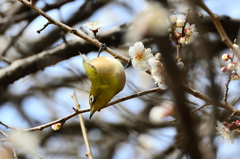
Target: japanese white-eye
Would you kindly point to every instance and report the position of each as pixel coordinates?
(108, 78)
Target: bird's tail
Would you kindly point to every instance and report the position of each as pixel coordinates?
(85, 58)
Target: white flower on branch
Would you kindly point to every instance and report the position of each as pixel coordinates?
(226, 133)
(191, 33)
(93, 25)
(158, 71)
(178, 20)
(179, 23)
(140, 56)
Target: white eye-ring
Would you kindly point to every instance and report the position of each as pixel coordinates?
(91, 98)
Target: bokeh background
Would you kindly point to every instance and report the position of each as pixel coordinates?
(38, 89)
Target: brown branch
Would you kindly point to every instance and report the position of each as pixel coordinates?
(39, 31)
(134, 96)
(219, 27)
(209, 101)
(52, 56)
(76, 112)
(73, 31)
(197, 109)
(226, 88)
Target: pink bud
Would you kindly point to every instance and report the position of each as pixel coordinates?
(237, 122)
(231, 66)
(226, 57)
(177, 34)
(224, 69)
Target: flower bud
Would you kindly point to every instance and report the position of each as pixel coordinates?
(234, 76)
(180, 65)
(158, 56)
(231, 66)
(56, 126)
(177, 34)
(224, 69)
(182, 40)
(180, 23)
(226, 57)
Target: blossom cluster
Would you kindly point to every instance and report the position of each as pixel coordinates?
(228, 132)
(183, 31)
(233, 67)
(143, 59)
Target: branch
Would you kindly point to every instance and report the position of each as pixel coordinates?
(209, 101)
(73, 31)
(52, 56)
(76, 112)
(219, 27)
(83, 128)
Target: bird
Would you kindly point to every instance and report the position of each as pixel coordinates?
(107, 78)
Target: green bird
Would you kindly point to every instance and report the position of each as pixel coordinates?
(108, 78)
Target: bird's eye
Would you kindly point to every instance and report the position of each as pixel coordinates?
(91, 99)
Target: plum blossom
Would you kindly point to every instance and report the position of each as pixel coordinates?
(226, 132)
(140, 56)
(93, 25)
(158, 71)
(190, 32)
(183, 31)
(178, 20)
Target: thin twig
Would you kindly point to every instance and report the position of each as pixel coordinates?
(226, 88)
(73, 31)
(179, 46)
(83, 128)
(219, 27)
(13, 40)
(209, 101)
(198, 108)
(39, 31)
(76, 112)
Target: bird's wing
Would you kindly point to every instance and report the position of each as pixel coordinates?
(90, 70)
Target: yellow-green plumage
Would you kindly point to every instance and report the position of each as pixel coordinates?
(108, 78)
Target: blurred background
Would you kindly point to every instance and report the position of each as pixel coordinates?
(40, 72)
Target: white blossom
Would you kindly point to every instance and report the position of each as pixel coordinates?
(191, 33)
(157, 71)
(93, 25)
(179, 20)
(140, 56)
(225, 133)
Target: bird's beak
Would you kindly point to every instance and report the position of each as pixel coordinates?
(92, 112)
